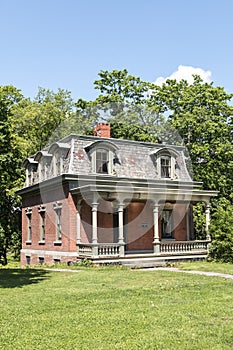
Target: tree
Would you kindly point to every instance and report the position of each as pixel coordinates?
(119, 86)
(196, 115)
(37, 122)
(201, 114)
(25, 127)
(221, 231)
(10, 169)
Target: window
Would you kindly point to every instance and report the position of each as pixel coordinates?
(165, 160)
(165, 166)
(102, 161)
(41, 210)
(56, 261)
(167, 224)
(57, 207)
(41, 260)
(28, 212)
(30, 174)
(103, 156)
(28, 259)
(59, 152)
(43, 168)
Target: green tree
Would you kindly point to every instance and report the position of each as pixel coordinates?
(197, 115)
(201, 113)
(10, 170)
(36, 122)
(221, 232)
(25, 127)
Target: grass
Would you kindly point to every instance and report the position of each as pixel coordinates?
(114, 308)
(207, 266)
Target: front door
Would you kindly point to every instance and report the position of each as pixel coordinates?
(166, 219)
(139, 229)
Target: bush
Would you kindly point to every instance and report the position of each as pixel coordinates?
(221, 231)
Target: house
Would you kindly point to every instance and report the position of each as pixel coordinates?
(110, 200)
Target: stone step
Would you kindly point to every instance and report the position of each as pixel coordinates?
(139, 263)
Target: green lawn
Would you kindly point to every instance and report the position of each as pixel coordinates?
(113, 308)
(207, 266)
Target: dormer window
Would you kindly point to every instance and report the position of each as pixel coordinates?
(102, 161)
(60, 151)
(102, 155)
(165, 166)
(165, 161)
(31, 167)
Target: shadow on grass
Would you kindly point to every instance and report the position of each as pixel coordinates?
(17, 278)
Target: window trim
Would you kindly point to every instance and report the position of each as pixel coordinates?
(164, 153)
(42, 212)
(170, 222)
(58, 223)
(28, 212)
(109, 149)
(166, 168)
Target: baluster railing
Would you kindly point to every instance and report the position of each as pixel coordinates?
(183, 246)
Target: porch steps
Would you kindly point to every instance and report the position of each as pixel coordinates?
(147, 261)
(140, 263)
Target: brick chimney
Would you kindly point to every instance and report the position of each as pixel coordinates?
(102, 130)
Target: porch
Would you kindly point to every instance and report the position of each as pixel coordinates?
(152, 221)
(166, 251)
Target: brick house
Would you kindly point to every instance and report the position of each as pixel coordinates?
(109, 200)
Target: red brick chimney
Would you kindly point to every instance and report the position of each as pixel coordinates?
(102, 130)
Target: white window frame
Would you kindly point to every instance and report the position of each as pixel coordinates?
(167, 216)
(110, 157)
(172, 165)
(42, 212)
(28, 212)
(58, 207)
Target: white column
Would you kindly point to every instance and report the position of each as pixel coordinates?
(187, 215)
(121, 228)
(121, 224)
(156, 228)
(207, 218)
(78, 218)
(94, 223)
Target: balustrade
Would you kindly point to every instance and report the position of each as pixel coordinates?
(104, 249)
(183, 246)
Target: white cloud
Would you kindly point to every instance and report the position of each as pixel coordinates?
(186, 72)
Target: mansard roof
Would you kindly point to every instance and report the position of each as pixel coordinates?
(41, 154)
(58, 145)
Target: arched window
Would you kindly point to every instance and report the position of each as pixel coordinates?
(102, 161)
(165, 166)
(165, 159)
(102, 154)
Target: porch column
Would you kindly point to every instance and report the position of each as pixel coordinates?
(78, 221)
(121, 229)
(207, 217)
(94, 229)
(156, 228)
(187, 217)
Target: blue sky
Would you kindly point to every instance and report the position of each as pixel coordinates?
(65, 43)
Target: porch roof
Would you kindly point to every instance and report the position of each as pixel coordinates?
(160, 192)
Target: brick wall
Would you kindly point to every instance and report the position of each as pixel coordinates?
(67, 244)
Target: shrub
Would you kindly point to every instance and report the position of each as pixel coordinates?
(221, 230)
